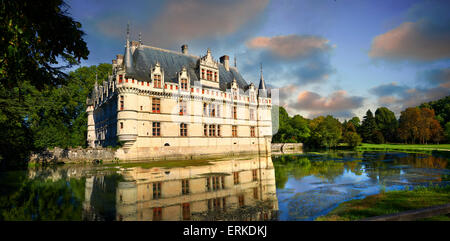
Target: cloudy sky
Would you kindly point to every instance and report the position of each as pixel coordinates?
(338, 57)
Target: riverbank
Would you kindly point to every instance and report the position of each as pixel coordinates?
(391, 202)
(420, 148)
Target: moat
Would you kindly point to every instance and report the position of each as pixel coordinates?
(280, 187)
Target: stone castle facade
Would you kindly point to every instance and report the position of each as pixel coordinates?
(159, 102)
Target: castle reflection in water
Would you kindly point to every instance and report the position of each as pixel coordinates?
(232, 189)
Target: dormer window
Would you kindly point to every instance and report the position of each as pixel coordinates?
(157, 75)
(157, 81)
(209, 71)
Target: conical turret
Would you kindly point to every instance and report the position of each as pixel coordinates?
(128, 57)
(262, 91)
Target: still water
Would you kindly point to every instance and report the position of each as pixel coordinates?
(282, 187)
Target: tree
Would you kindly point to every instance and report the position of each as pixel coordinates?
(447, 131)
(409, 124)
(356, 122)
(368, 127)
(38, 40)
(386, 123)
(377, 137)
(419, 124)
(437, 133)
(350, 136)
(326, 131)
(291, 130)
(352, 139)
(441, 108)
(300, 125)
(62, 121)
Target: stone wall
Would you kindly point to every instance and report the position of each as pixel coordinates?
(283, 147)
(73, 155)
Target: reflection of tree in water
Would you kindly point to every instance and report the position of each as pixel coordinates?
(417, 168)
(380, 167)
(38, 199)
(302, 166)
(102, 201)
(424, 161)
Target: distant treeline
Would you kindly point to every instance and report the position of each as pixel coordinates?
(427, 123)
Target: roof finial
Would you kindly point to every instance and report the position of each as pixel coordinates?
(128, 31)
(261, 71)
(262, 84)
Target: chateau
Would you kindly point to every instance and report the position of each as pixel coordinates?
(159, 102)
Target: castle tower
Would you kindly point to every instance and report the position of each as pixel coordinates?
(91, 137)
(127, 113)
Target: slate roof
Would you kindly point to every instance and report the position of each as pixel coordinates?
(146, 57)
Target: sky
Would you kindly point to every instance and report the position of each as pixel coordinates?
(326, 57)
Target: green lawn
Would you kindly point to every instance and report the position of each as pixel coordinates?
(391, 202)
(406, 147)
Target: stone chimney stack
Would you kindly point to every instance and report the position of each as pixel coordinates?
(119, 59)
(184, 49)
(225, 60)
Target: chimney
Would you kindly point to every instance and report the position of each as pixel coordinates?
(225, 60)
(184, 49)
(119, 59)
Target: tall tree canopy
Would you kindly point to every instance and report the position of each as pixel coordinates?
(356, 122)
(325, 131)
(350, 135)
(441, 108)
(38, 39)
(419, 124)
(293, 129)
(62, 121)
(368, 127)
(386, 123)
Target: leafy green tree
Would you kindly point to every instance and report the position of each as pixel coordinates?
(387, 124)
(352, 139)
(300, 125)
(326, 131)
(447, 132)
(350, 136)
(62, 121)
(291, 130)
(38, 41)
(356, 123)
(377, 137)
(441, 108)
(368, 127)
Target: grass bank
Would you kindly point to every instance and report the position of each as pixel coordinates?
(391, 202)
(423, 148)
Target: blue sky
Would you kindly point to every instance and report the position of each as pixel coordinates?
(327, 57)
